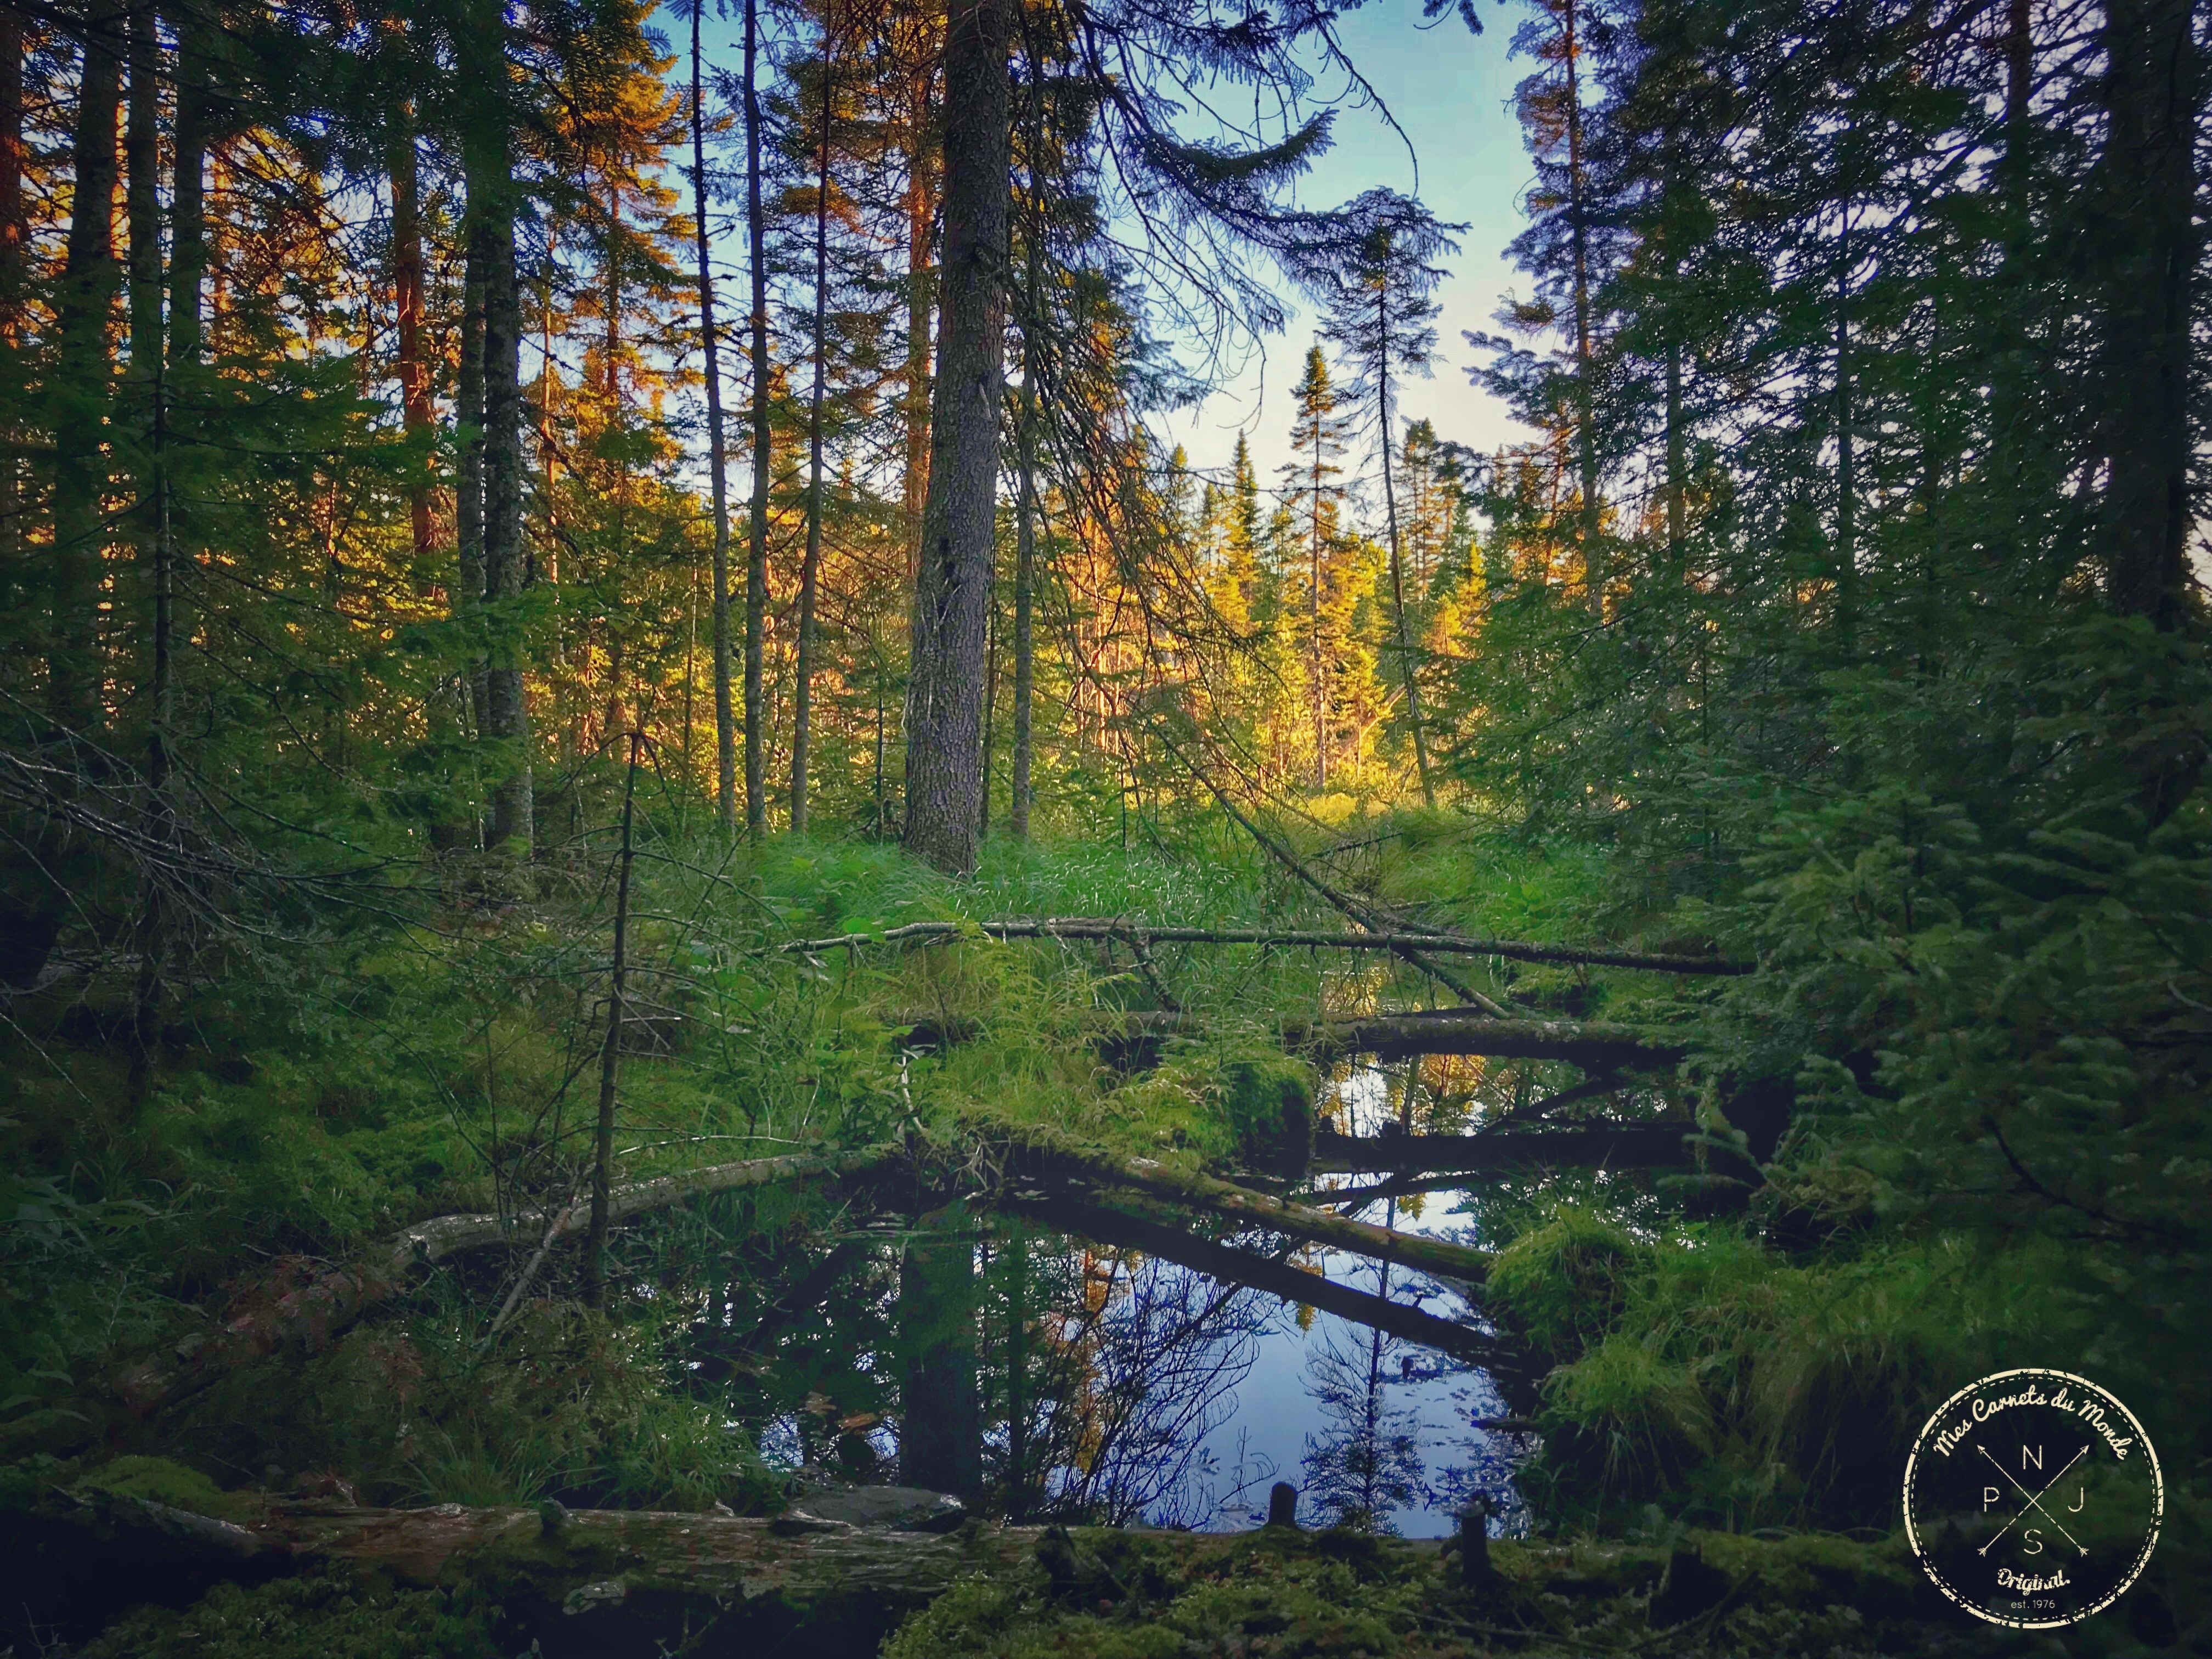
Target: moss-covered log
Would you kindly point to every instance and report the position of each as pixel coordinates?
(306, 1315)
(1085, 1167)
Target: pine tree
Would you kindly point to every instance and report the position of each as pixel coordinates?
(1317, 440)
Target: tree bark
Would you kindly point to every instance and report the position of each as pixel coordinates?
(952, 594)
(1406, 667)
(1225, 1199)
(2154, 95)
(810, 572)
(506, 717)
(14, 226)
(920, 230)
(415, 403)
(718, 464)
(1585, 390)
(191, 134)
(763, 447)
(81, 391)
(468, 493)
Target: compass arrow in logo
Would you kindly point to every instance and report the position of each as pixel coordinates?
(2035, 1499)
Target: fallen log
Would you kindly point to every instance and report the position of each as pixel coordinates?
(1213, 1196)
(1451, 1031)
(1144, 933)
(1621, 1146)
(590, 1560)
(305, 1316)
(1106, 1225)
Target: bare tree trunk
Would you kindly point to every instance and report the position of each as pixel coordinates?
(468, 492)
(810, 572)
(506, 712)
(952, 595)
(191, 135)
(602, 1145)
(718, 463)
(1398, 568)
(148, 393)
(14, 228)
(1025, 511)
(1677, 483)
(757, 733)
(1847, 557)
(81, 391)
(1319, 666)
(921, 226)
(16, 585)
(1578, 232)
(2154, 95)
(415, 403)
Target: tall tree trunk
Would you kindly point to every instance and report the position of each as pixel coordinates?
(717, 466)
(1406, 667)
(810, 571)
(1677, 484)
(1018, 811)
(1578, 233)
(2154, 96)
(15, 232)
(193, 134)
(1320, 666)
(415, 407)
(14, 228)
(1025, 509)
(953, 592)
(941, 1428)
(507, 713)
(82, 390)
(756, 733)
(921, 227)
(1847, 556)
(149, 396)
(954, 587)
(468, 490)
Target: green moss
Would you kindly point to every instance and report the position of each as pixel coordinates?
(158, 1480)
(320, 1617)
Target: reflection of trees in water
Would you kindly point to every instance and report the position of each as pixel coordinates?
(1366, 1459)
(1139, 1362)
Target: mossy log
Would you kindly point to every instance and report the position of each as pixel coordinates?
(1080, 1168)
(587, 1558)
(303, 1316)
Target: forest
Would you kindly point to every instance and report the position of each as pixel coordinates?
(699, 954)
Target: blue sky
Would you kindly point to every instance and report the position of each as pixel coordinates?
(1451, 92)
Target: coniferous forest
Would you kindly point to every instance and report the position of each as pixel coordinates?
(699, 955)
